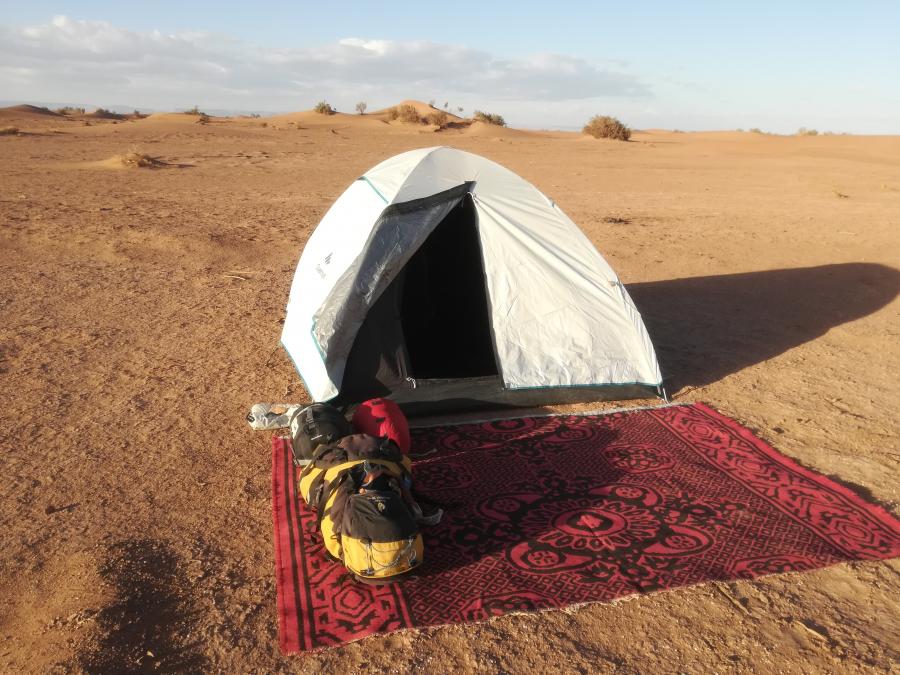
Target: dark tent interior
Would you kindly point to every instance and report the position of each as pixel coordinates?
(432, 321)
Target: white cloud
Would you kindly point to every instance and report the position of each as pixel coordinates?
(68, 59)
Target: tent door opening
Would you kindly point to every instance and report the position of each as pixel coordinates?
(443, 305)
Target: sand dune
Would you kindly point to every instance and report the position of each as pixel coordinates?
(19, 111)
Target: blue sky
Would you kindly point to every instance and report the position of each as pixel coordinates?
(699, 65)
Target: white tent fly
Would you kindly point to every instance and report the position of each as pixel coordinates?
(440, 276)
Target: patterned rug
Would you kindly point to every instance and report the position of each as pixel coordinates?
(546, 512)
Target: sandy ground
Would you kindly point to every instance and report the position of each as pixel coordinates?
(141, 311)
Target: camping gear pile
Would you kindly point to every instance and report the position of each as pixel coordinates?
(360, 486)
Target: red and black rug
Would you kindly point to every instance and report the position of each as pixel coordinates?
(545, 512)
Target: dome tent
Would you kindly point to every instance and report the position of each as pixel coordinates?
(441, 277)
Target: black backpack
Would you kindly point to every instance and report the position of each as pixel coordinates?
(315, 425)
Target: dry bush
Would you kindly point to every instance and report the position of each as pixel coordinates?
(438, 118)
(70, 110)
(9, 131)
(603, 126)
(203, 119)
(141, 160)
(324, 108)
(405, 113)
(803, 131)
(104, 114)
(361, 107)
(756, 130)
(489, 118)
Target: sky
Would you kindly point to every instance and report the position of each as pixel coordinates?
(777, 66)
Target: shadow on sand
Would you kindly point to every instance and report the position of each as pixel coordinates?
(705, 328)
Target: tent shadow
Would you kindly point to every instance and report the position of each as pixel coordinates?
(705, 328)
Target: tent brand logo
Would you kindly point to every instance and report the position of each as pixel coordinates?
(327, 261)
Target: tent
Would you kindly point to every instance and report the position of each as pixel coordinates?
(441, 277)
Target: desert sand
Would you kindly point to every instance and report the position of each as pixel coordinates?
(142, 308)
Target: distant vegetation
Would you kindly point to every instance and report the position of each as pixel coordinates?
(803, 131)
(361, 107)
(140, 160)
(603, 126)
(9, 131)
(405, 113)
(324, 108)
(438, 118)
(107, 114)
(489, 118)
(69, 110)
(756, 130)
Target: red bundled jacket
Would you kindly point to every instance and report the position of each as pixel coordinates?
(382, 417)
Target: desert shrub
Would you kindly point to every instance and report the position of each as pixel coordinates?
(756, 130)
(193, 111)
(70, 110)
(803, 131)
(405, 113)
(361, 107)
(105, 114)
(603, 126)
(203, 119)
(438, 118)
(9, 131)
(324, 108)
(489, 118)
(140, 160)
